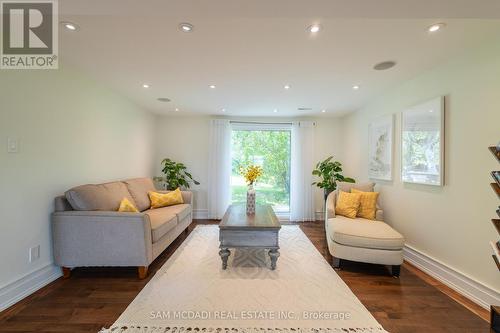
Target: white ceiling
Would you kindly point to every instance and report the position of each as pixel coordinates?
(251, 48)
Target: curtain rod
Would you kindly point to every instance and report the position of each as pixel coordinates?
(256, 122)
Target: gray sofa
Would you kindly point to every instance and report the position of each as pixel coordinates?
(89, 231)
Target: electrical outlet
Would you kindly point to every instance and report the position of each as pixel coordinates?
(34, 253)
(12, 146)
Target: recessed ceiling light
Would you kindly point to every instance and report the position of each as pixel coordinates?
(275, 110)
(186, 27)
(355, 87)
(70, 26)
(314, 28)
(212, 86)
(323, 111)
(381, 66)
(145, 85)
(176, 110)
(163, 99)
(436, 27)
(286, 87)
(223, 110)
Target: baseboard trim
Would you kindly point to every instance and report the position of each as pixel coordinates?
(320, 215)
(27, 285)
(200, 214)
(477, 292)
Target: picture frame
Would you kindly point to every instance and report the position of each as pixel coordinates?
(381, 148)
(422, 143)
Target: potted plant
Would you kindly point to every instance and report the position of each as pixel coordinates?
(175, 176)
(329, 172)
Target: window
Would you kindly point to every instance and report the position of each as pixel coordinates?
(269, 147)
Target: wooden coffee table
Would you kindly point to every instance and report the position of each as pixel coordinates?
(259, 230)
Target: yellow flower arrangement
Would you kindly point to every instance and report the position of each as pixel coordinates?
(251, 173)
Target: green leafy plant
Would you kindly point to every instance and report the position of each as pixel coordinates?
(329, 172)
(175, 175)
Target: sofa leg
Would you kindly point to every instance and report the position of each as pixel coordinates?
(142, 272)
(66, 272)
(336, 262)
(395, 270)
(186, 231)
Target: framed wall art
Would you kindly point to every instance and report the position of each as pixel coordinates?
(380, 150)
(422, 143)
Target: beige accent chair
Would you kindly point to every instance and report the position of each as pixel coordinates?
(89, 231)
(360, 239)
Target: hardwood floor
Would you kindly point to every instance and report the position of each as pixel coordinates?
(94, 297)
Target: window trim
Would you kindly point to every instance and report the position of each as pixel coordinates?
(256, 126)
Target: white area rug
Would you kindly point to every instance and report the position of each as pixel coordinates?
(191, 292)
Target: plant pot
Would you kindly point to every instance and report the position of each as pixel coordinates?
(251, 200)
(326, 193)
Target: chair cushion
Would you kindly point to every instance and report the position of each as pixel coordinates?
(364, 233)
(368, 204)
(105, 196)
(348, 204)
(364, 187)
(139, 188)
(165, 219)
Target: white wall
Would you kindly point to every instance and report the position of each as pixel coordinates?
(450, 223)
(71, 131)
(185, 139)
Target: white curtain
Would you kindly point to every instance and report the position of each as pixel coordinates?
(219, 168)
(302, 158)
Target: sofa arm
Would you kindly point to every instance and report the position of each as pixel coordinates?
(187, 196)
(330, 205)
(99, 238)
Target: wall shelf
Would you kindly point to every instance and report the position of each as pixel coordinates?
(494, 177)
(496, 188)
(496, 261)
(495, 153)
(495, 309)
(496, 223)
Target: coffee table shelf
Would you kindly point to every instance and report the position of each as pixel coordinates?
(241, 230)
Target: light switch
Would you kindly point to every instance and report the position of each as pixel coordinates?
(12, 146)
(34, 253)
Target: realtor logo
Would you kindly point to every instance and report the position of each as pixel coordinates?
(29, 34)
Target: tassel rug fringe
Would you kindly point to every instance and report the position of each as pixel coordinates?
(145, 329)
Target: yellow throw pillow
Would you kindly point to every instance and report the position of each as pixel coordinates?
(159, 200)
(127, 206)
(348, 204)
(368, 204)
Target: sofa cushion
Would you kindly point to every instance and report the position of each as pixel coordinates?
(139, 188)
(127, 207)
(364, 233)
(165, 219)
(105, 196)
(181, 210)
(162, 221)
(159, 200)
